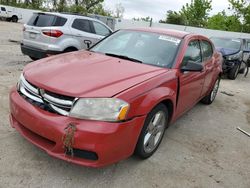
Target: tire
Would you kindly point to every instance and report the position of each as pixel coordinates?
(233, 73)
(242, 71)
(33, 58)
(150, 136)
(209, 99)
(14, 19)
(71, 49)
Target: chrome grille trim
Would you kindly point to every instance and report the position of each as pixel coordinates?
(57, 101)
(58, 105)
(33, 97)
(29, 87)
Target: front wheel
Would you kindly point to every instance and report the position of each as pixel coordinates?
(152, 132)
(233, 73)
(14, 19)
(211, 96)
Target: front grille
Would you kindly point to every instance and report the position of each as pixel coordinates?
(46, 100)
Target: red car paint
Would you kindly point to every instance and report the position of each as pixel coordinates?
(95, 75)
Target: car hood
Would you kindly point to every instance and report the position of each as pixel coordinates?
(227, 51)
(87, 74)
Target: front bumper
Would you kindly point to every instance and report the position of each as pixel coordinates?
(37, 53)
(110, 142)
(228, 65)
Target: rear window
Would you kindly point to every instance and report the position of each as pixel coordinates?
(46, 20)
(3, 9)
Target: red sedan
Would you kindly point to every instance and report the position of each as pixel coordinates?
(100, 106)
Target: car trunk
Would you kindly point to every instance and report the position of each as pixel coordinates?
(33, 33)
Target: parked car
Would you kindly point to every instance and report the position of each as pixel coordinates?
(100, 106)
(9, 13)
(48, 34)
(233, 51)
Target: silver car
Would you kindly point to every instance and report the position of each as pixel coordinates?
(48, 34)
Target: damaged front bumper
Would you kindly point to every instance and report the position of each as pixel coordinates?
(96, 143)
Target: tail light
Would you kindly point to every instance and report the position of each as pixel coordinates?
(53, 33)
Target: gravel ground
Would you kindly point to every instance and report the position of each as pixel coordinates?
(202, 149)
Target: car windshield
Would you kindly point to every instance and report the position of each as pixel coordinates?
(227, 43)
(143, 47)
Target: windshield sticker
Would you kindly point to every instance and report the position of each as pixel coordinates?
(170, 39)
(233, 40)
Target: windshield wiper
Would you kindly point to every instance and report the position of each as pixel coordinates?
(124, 57)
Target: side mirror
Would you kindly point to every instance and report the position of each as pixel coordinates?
(88, 43)
(192, 67)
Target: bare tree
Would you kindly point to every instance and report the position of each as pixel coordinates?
(119, 10)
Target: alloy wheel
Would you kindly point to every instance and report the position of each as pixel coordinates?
(154, 131)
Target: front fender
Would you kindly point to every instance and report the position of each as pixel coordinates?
(142, 105)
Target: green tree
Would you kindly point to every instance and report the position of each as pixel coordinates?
(223, 22)
(174, 17)
(242, 10)
(196, 13)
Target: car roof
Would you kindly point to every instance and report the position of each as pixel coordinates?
(69, 15)
(72, 16)
(171, 32)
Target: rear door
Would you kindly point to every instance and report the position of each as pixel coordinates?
(191, 83)
(208, 61)
(82, 29)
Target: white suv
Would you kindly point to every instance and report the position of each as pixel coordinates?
(47, 34)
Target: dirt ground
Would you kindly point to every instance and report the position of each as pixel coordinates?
(202, 149)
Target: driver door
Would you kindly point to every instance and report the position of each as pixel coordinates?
(191, 83)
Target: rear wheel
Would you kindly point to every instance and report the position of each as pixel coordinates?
(14, 19)
(152, 132)
(233, 73)
(33, 58)
(71, 49)
(211, 96)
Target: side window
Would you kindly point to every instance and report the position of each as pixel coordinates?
(193, 53)
(207, 50)
(248, 45)
(3, 9)
(101, 29)
(82, 25)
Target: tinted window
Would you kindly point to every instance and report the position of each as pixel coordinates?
(3, 9)
(46, 20)
(101, 29)
(207, 50)
(149, 48)
(193, 53)
(82, 25)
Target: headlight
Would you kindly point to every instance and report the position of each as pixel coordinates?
(103, 109)
(234, 56)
